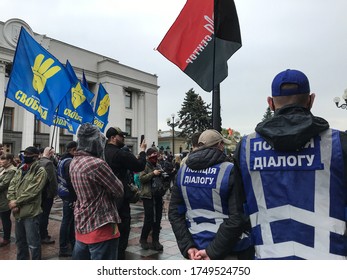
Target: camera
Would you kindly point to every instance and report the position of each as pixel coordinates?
(164, 174)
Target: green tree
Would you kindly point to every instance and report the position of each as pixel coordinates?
(268, 114)
(195, 115)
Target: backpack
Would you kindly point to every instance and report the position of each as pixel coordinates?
(63, 190)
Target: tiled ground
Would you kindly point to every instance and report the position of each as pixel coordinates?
(134, 251)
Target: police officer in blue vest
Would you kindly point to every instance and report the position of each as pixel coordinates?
(293, 171)
(200, 205)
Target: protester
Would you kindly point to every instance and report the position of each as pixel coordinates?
(200, 205)
(293, 171)
(7, 171)
(154, 184)
(48, 193)
(24, 196)
(97, 188)
(121, 162)
(68, 196)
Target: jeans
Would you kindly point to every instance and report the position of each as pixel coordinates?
(67, 228)
(28, 238)
(106, 250)
(46, 208)
(153, 214)
(6, 224)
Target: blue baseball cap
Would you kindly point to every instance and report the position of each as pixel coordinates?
(290, 76)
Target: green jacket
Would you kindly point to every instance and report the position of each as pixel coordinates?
(146, 181)
(5, 179)
(26, 191)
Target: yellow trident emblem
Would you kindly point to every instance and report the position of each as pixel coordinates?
(77, 96)
(103, 107)
(42, 71)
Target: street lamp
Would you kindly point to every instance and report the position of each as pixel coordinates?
(173, 124)
(337, 101)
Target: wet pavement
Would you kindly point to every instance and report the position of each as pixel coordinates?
(134, 251)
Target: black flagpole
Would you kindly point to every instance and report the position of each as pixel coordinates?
(216, 118)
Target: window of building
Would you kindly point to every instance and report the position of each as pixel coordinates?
(128, 126)
(8, 118)
(62, 131)
(128, 100)
(37, 127)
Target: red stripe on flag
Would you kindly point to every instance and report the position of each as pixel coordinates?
(189, 34)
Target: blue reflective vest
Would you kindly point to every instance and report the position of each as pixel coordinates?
(296, 200)
(205, 193)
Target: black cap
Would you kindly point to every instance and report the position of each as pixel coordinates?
(113, 131)
(31, 150)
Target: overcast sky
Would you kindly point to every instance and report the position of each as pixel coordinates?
(308, 35)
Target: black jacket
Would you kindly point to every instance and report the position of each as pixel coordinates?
(121, 162)
(72, 197)
(228, 234)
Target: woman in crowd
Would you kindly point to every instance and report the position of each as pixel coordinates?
(7, 171)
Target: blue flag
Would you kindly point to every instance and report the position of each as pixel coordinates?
(65, 123)
(84, 81)
(102, 108)
(38, 81)
(75, 107)
(85, 84)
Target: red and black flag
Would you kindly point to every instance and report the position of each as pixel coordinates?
(202, 39)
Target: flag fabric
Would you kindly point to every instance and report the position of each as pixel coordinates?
(75, 107)
(84, 81)
(65, 124)
(38, 81)
(85, 84)
(88, 94)
(102, 108)
(202, 39)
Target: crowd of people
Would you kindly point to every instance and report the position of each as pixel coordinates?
(283, 195)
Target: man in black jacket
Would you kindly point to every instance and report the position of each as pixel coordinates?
(201, 204)
(121, 162)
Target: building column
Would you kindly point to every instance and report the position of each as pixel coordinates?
(28, 129)
(2, 95)
(141, 115)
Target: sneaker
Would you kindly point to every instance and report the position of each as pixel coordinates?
(144, 244)
(157, 246)
(4, 242)
(47, 240)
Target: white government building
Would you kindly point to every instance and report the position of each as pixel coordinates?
(133, 94)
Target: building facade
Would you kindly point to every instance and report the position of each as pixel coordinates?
(133, 94)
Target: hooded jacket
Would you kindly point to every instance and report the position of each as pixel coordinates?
(291, 128)
(228, 234)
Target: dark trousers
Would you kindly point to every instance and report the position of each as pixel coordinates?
(28, 238)
(67, 228)
(153, 213)
(46, 205)
(106, 250)
(6, 224)
(124, 229)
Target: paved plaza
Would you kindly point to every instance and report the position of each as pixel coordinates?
(134, 251)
